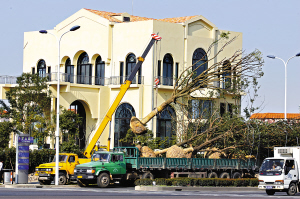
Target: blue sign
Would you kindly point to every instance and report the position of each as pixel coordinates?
(23, 148)
(23, 161)
(25, 139)
(25, 155)
(23, 167)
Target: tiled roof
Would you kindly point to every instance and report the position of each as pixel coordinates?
(110, 16)
(177, 19)
(275, 116)
(106, 15)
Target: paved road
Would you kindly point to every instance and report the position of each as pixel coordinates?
(127, 193)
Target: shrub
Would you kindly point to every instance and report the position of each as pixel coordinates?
(219, 182)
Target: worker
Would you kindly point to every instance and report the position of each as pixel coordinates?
(276, 166)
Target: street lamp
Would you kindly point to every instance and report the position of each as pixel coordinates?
(57, 103)
(285, 65)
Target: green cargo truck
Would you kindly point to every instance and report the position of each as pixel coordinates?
(124, 163)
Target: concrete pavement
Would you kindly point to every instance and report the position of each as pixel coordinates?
(139, 188)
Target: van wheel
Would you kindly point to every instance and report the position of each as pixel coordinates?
(62, 180)
(212, 175)
(148, 175)
(225, 175)
(292, 189)
(270, 192)
(103, 180)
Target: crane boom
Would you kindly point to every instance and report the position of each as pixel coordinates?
(123, 89)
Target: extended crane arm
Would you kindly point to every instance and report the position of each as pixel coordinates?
(123, 89)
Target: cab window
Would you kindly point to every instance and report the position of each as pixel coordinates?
(290, 165)
(72, 159)
(116, 158)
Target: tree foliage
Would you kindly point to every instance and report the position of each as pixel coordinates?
(147, 139)
(5, 130)
(29, 108)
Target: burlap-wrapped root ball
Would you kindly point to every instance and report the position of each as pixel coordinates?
(146, 152)
(175, 152)
(136, 126)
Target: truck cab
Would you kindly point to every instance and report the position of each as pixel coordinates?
(105, 167)
(67, 163)
(281, 172)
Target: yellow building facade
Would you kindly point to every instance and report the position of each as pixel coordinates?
(96, 59)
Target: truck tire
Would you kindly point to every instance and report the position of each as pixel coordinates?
(212, 175)
(148, 175)
(82, 183)
(292, 189)
(270, 192)
(236, 175)
(45, 182)
(62, 180)
(225, 175)
(103, 180)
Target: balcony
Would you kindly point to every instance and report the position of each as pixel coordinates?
(166, 81)
(79, 79)
(5, 79)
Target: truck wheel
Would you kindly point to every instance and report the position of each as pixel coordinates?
(292, 189)
(62, 180)
(236, 175)
(212, 175)
(270, 192)
(82, 183)
(225, 175)
(103, 180)
(148, 175)
(45, 182)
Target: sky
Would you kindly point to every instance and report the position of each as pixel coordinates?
(271, 26)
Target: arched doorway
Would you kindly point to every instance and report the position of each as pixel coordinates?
(78, 108)
(122, 122)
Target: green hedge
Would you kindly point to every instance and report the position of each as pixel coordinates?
(36, 157)
(213, 182)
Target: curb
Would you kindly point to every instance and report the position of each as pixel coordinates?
(37, 186)
(171, 188)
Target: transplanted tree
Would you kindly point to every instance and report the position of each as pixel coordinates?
(205, 131)
(29, 106)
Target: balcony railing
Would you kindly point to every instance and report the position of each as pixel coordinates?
(79, 79)
(166, 81)
(8, 79)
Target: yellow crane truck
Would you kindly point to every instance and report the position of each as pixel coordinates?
(68, 161)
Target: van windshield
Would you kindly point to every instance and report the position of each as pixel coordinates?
(271, 167)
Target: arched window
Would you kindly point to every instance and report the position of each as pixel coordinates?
(69, 70)
(84, 69)
(41, 68)
(166, 124)
(199, 62)
(130, 64)
(168, 70)
(122, 122)
(99, 71)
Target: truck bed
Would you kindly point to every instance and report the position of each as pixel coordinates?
(188, 163)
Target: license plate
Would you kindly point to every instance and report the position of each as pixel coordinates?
(269, 187)
(79, 176)
(43, 178)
